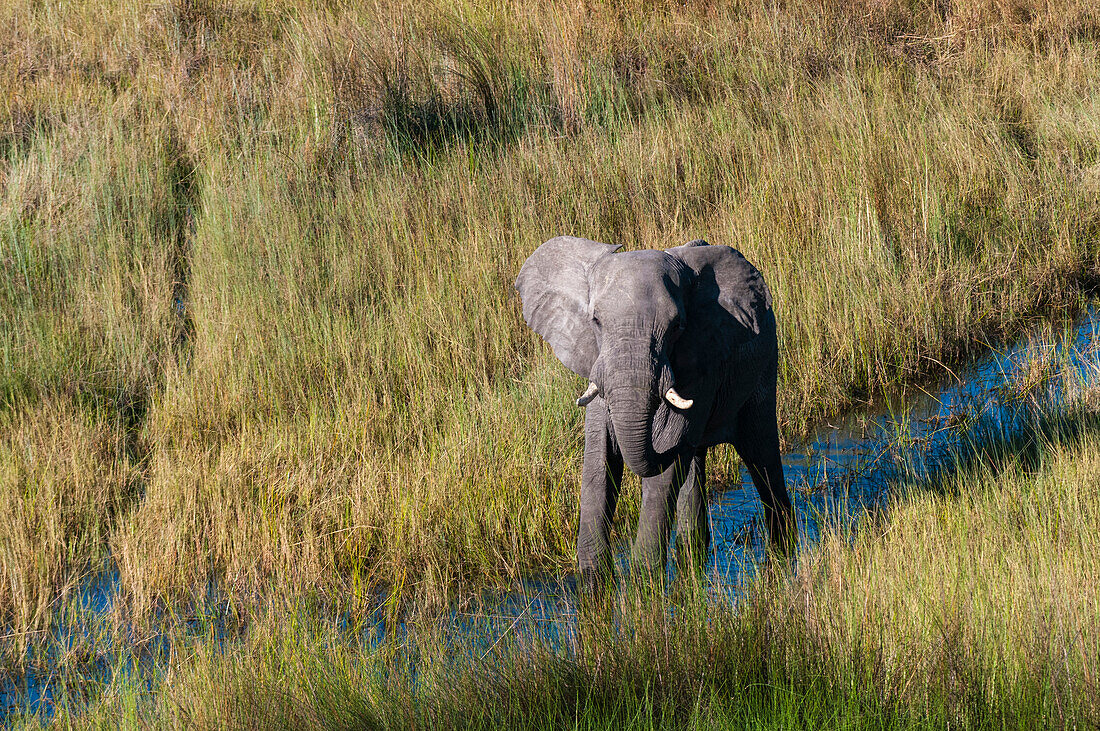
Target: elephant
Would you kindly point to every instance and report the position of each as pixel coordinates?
(680, 352)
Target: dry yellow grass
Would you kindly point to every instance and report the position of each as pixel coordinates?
(988, 588)
(64, 476)
(969, 603)
(273, 244)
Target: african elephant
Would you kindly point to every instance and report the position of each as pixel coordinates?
(679, 348)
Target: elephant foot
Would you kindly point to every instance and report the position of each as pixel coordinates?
(691, 563)
(647, 576)
(783, 537)
(594, 584)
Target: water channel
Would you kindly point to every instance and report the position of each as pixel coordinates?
(851, 466)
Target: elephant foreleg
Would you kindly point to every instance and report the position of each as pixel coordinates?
(659, 496)
(757, 443)
(600, 480)
(692, 526)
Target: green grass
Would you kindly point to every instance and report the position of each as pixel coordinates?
(256, 315)
(969, 603)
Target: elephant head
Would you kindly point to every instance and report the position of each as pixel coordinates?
(652, 332)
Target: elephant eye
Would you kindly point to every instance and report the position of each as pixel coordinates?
(596, 321)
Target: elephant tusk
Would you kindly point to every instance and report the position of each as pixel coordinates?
(590, 393)
(677, 400)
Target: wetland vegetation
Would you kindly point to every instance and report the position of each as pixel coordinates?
(258, 338)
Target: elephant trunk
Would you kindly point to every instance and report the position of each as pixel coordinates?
(632, 419)
(633, 400)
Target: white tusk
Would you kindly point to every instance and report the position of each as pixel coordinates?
(677, 400)
(590, 393)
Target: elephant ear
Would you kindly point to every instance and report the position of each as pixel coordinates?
(727, 307)
(553, 284)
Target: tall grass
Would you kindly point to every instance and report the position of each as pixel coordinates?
(256, 316)
(970, 603)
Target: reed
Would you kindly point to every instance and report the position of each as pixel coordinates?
(969, 603)
(256, 317)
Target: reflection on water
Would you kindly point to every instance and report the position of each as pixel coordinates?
(847, 468)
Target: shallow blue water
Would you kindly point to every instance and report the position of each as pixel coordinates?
(845, 469)
(849, 467)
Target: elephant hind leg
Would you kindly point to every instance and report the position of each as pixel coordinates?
(757, 443)
(692, 525)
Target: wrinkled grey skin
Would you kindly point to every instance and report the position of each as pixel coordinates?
(697, 318)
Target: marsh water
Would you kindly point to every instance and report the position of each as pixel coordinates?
(847, 468)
